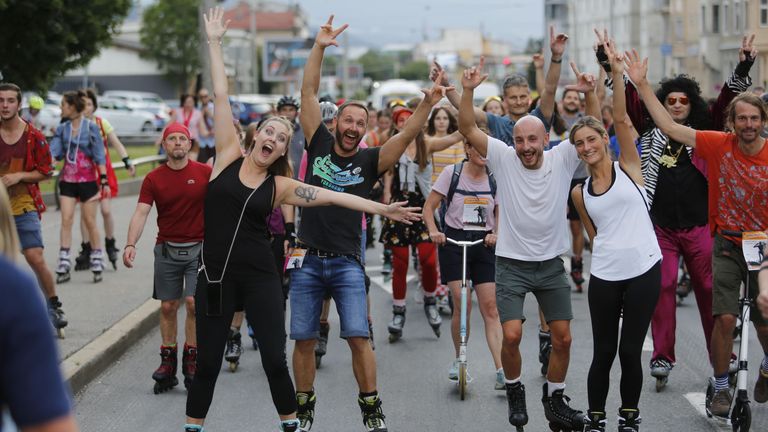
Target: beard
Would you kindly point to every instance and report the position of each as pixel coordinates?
(340, 140)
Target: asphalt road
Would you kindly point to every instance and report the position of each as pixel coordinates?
(412, 380)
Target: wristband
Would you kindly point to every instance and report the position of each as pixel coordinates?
(556, 61)
(127, 162)
(127, 246)
(104, 181)
(602, 58)
(290, 233)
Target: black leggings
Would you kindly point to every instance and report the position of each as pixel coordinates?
(637, 297)
(262, 297)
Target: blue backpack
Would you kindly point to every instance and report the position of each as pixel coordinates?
(454, 187)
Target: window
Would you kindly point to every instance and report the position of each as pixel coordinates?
(704, 18)
(725, 19)
(737, 26)
(763, 13)
(715, 18)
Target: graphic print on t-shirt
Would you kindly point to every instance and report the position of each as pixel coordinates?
(743, 194)
(474, 216)
(334, 177)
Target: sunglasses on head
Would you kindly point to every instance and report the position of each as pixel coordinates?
(671, 100)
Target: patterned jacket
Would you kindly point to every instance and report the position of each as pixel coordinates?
(38, 159)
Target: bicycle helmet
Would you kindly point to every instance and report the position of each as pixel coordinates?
(36, 102)
(287, 100)
(328, 111)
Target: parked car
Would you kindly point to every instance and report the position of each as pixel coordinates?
(250, 108)
(126, 120)
(145, 101)
(49, 118)
(386, 91)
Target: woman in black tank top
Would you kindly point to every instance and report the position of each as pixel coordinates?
(238, 266)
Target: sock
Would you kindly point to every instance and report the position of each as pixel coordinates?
(553, 387)
(173, 345)
(511, 381)
(290, 422)
(304, 397)
(721, 382)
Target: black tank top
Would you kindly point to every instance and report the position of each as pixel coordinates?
(252, 251)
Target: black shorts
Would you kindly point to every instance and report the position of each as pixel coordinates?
(80, 191)
(572, 213)
(481, 260)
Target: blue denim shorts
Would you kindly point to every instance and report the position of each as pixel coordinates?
(29, 229)
(344, 278)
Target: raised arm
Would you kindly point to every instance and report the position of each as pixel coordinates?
(467, 126)
(310, 105)
(585, 84)
(453, 96)
(395, 146)
(629, 159)
(227, 143)
(292, 192)
(538, 65)
(557, 48)
(439, 144)
(738, 82)
(637, 70)
(135, 228)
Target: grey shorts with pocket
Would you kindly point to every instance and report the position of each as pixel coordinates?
(545, 279)
(729, 271)
(175, 271)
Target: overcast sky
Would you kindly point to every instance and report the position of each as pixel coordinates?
(380, 22)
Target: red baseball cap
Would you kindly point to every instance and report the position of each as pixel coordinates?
(400, 113)
(176, 128)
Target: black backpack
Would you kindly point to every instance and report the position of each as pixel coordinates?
(454, 187)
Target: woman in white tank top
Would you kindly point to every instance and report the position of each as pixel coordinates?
(625, 273)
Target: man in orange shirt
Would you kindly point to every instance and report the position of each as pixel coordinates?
(737, 170)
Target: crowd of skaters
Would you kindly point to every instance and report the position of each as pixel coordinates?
(648, 176)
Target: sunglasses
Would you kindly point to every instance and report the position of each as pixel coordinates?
(673, 100)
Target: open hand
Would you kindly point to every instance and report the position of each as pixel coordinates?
(747, 49)
(585, 82)
(615, 57)
(327, 34)
(215, 27)
(557, 43)
(636, 69)
(438, 90)
(474, 76)
(434, 73)
(400, 213)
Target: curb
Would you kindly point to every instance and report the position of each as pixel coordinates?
(90, 361)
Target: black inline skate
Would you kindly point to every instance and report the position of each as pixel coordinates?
(322, 343)
(109, 246)
(433, 316)
(373, 416)
(165, 375)
(561, 417)
(517, 410)
(595, 421)
(577, 268)
(629, 420)
(57, 316)
(189, 364)
(83, 260)
(234, 349)
(545, 349)
(395, 326)
(305, 410)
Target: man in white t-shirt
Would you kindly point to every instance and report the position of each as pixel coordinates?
(533, 188)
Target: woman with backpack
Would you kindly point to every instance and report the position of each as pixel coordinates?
(466, 195)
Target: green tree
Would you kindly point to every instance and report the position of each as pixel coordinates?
(377, 66)
(169, 34)
(415, 70)
(41, 40)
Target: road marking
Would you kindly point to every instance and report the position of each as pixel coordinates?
(648, 344)
(716, 423)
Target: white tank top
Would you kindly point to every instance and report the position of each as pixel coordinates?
(625, 245)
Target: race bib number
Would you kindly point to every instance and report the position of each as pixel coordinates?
(475, 214)
(754, 246)
(296, 260)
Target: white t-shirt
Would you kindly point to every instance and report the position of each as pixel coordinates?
(532, 223)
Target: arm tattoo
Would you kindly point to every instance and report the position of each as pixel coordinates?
(306, 192)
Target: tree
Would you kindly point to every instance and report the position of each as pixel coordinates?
(377, 66)
(41, 40)
(415, 71)
(169, 34)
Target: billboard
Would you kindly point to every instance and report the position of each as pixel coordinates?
(284, 59)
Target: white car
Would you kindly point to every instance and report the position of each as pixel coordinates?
(145, 101)
(126, 120)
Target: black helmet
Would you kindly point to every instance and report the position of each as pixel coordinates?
(286, 101)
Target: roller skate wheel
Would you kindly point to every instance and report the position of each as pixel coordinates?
(519, 429)
(393, 337)
(661, 382)
(97, 277)
(233, 366)
(437, 332)
(318, 361)
(61, 333)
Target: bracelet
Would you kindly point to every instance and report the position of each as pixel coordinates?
(219, 42)
(127, 246)
(556, 61)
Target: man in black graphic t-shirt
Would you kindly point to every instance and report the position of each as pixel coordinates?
(332, 235)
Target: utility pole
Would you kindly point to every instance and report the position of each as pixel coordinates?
(345, 68)
(254, 4)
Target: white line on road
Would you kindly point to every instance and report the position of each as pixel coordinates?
(648, 344)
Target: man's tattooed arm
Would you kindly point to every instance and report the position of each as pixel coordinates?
(307, 193)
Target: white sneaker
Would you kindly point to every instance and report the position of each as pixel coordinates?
(500, 384)
(453, 371)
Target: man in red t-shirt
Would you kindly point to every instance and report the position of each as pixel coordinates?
(737, 170)
(178, 188)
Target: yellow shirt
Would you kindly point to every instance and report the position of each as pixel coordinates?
(452, 155)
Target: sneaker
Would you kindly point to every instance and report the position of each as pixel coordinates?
(761, 387)
(373, 416)
(721, 403)
(660, 367)
(290, 426)
(306, 410)
(500, 385)
(453, 371)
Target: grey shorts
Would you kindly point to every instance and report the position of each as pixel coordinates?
(545, 279)
(729, 271)
(175, 272)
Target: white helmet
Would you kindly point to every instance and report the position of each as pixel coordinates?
(328, 111)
